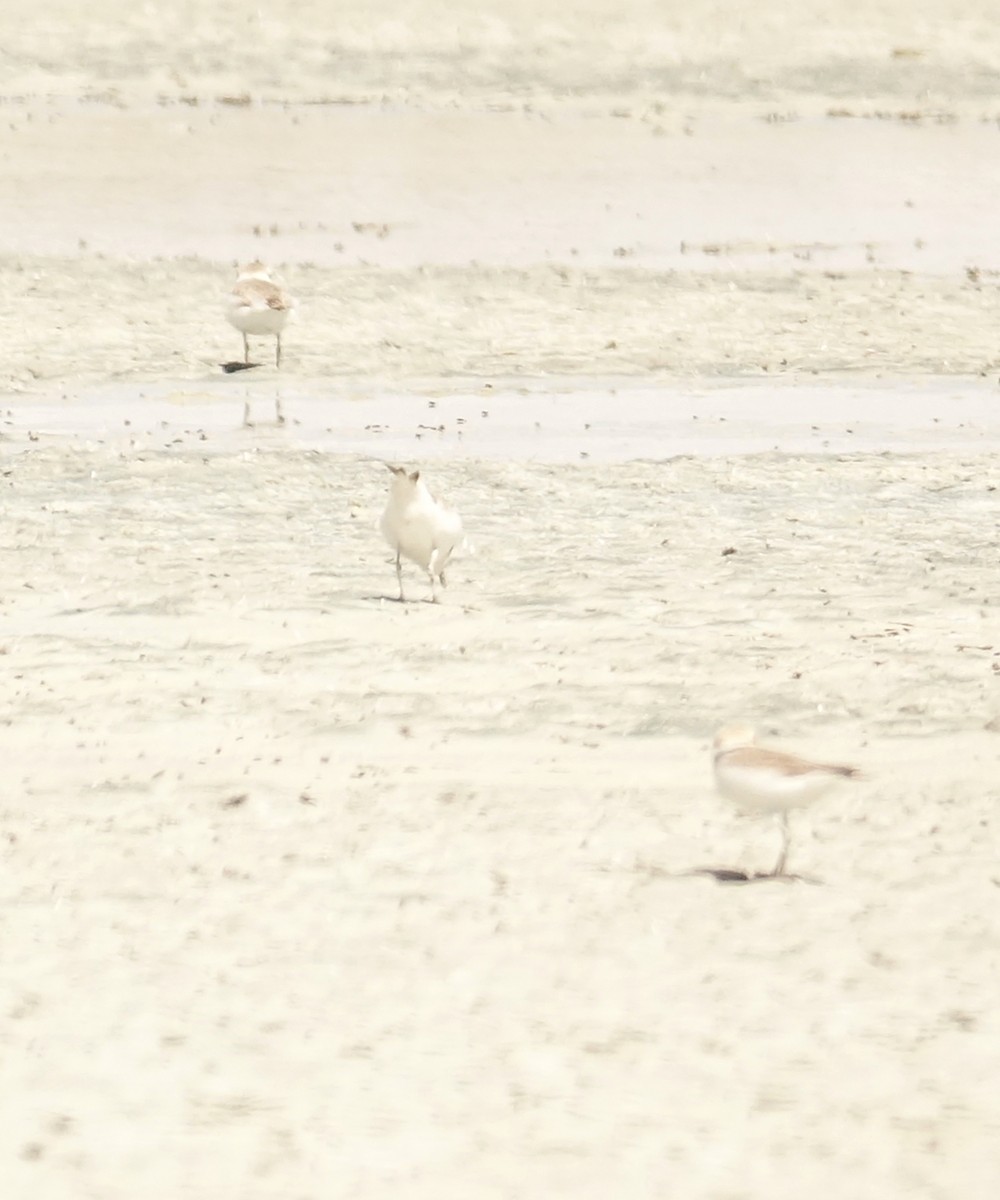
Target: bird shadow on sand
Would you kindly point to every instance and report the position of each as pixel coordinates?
(407, 603)
(731, 875)
(231, 368)
(735, 875)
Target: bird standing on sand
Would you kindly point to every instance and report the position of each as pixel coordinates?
(418, 528)
(769, 781)
(258, 305)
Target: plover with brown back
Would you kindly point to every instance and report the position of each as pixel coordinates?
(258, 306)
(759, 780)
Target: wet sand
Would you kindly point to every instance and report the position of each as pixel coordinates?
(394, 187)
(307, 892)
(551, 421)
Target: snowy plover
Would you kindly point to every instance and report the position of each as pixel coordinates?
(260, 306)
(418, 528)
(769, 781)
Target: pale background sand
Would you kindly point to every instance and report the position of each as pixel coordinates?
(307, 894)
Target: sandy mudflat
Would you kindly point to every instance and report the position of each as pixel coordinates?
(444, 942)
(306, 893)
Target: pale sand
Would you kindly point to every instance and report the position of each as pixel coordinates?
(917, 54)
(518, 247)
(446, 945)
(305, 893)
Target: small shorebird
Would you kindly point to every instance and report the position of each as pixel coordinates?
(769, 781)
(418, 528)
(260, 306)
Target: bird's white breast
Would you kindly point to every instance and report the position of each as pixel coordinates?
(769, 789)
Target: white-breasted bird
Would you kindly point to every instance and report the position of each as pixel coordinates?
(759, 780)
(417, 527)
(259, 306)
